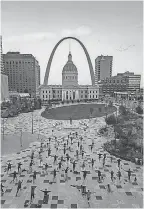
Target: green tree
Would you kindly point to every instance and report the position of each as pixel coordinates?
(110, 104)
(111, 120)
(139, 110)
(122, 110)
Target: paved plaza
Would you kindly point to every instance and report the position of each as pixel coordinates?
(65, 188)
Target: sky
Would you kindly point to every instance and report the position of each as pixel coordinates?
(108, 28)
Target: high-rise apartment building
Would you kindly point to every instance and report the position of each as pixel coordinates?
(103, 67)
(23, 72)
(4, 77)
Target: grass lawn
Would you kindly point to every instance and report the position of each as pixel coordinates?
(76, 112)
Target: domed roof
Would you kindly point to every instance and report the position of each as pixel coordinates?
(69, 67)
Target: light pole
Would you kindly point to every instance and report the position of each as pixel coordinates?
(32, 122)
(21, 138)
(39, 129)
(3, 128)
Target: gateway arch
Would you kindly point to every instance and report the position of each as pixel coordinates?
(52, 54)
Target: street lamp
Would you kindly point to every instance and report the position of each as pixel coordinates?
(32, 122)
(39, 130)
(21, 138)
(3, 128)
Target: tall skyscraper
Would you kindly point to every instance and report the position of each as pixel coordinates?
(23, 72)
(103, 67)
(4, 77)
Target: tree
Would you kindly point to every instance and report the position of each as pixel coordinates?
(111, 120)
(122, 110)
(139, 110)
(110, 104)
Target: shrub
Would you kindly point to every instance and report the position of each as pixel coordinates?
(122, 110)
(139, 110)
(110, 104)
(111, 120)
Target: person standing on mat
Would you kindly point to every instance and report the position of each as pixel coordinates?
(99, 175)
(32, 193)
(19, 186)
(59, 165)
(119, 160)
(14, 175)
(9, 167)
(129, 173)
(19, 166)
(2, 186)
(99, 156)
(88, 197)
(34, 176)
(45, 199)
(54, 174)
(112, 173)
(74, 164)
(119, 175)
(92, 163)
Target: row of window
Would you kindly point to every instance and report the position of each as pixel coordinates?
(16, 62)
(58, 96)
(69, 77)
(70, 91)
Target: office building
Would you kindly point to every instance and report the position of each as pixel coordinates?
(103, 67)
(23, 72)
(122, 82)
(4, 77)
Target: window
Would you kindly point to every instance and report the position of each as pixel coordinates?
(81, 91)
(43, 91)
(113, 81)
(46, 92)
(99, 109)
(43, 96)
(93, 96)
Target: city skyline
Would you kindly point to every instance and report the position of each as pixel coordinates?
(110, 28)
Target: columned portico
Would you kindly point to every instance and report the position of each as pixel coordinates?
(70, 94)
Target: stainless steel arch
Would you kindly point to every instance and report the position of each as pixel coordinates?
(52, 54)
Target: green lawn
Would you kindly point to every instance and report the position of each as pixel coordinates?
(76, 112)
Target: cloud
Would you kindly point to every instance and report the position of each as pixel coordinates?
(31, 37)
(81, 31)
